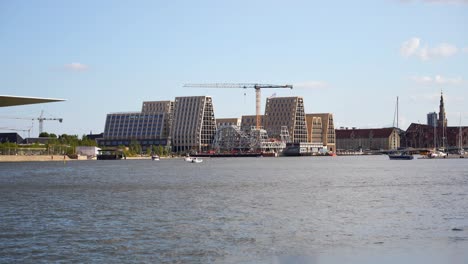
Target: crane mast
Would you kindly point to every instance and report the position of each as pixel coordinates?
(41, 119)
(256, 86)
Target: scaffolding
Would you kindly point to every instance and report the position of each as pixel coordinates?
(231, 138)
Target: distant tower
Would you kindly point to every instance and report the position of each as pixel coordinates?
(432, 119)
(442, 122)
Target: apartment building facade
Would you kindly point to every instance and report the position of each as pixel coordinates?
(321, 129)
(147, 129)
(194, 124)
(289, 112)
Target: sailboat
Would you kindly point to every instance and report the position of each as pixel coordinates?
(436, 153)
(461, 150)
(399, 155)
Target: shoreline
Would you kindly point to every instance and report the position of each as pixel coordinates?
(34, 158)
(23, 158)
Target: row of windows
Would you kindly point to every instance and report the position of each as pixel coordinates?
(113, 134)
(134, 116)
(144, 125)
(130, 130)
(126, 142)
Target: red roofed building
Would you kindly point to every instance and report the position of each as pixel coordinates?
(367, 139)
(426, 136)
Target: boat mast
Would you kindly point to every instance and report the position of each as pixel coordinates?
(397, 112)
(443, 136)
(460, 144)
(435, 143)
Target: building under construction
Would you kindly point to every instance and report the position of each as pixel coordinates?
(188, 124)
(249, 121)
(232, 139)
(228, 122)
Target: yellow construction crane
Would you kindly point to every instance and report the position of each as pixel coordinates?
(255, 86)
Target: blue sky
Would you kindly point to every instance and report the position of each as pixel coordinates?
(345, 57)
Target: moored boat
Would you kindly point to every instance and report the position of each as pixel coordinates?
(400, 156)
(437, 154)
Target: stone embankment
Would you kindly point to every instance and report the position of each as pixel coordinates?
(22, 158)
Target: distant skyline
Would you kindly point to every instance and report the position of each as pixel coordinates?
(348, 58)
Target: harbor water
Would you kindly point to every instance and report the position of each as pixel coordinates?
(365, 209)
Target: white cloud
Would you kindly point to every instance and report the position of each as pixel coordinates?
(412, 47)
(422, 79)
(76, 66)
(438, 79)
(442, 80)
(465, 50)
(432, 97)
(443, 50)
(311, 84)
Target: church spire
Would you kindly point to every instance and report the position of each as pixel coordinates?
(442, 122)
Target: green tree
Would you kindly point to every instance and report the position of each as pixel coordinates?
(44, 134)
(85, 141)
(155, 149)
(161, 150)
(135, 147)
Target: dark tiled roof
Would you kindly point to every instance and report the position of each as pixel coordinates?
(364, 133)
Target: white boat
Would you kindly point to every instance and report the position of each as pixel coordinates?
(155, 157)
(193, 159)
(196, 160)
(437, 154)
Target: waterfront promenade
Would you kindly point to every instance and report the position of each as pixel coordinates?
(33, 158)
(23, 158)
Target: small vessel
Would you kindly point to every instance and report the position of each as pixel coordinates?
(196, 160)
(193, 159)
(269, 154)
(155, 157)
(437, 154)
(400, 156)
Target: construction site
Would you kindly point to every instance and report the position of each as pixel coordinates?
(188, 125)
